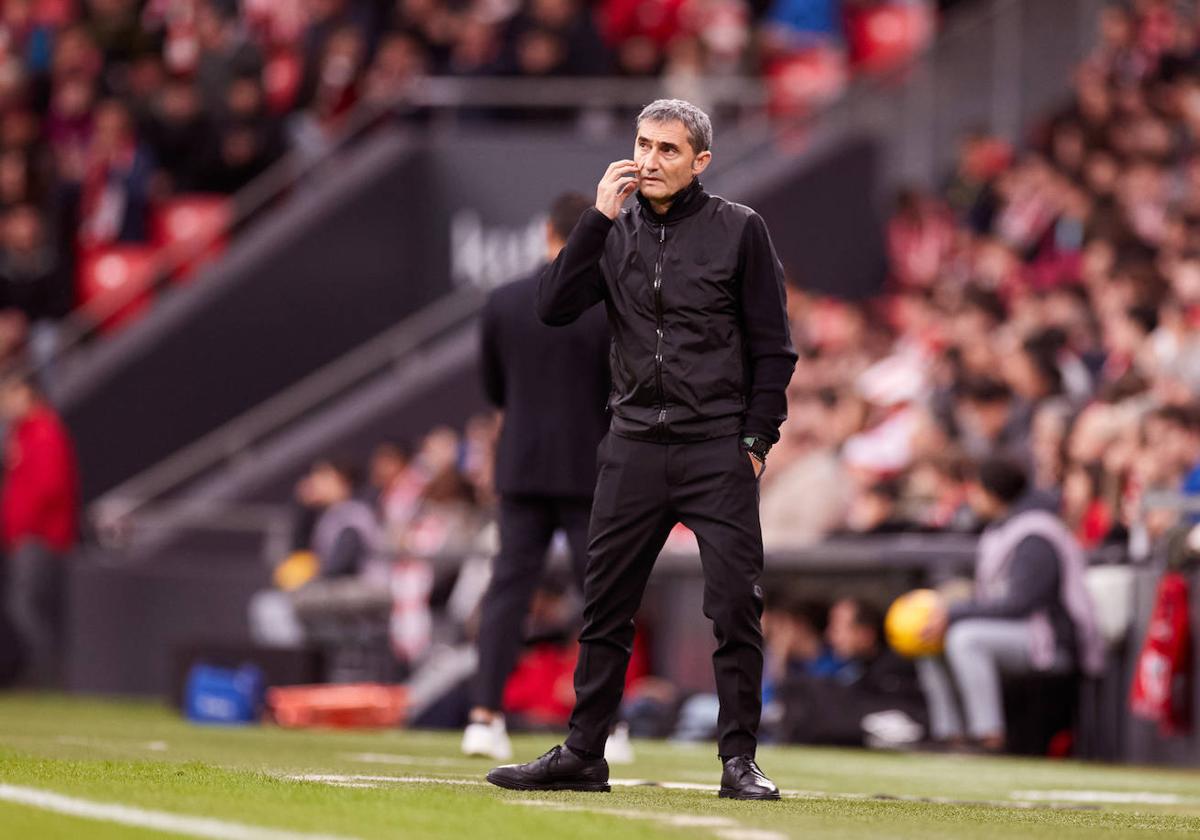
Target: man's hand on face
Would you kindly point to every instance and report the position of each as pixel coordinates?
(616, 186)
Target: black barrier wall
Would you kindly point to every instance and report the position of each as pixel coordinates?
(304, 287)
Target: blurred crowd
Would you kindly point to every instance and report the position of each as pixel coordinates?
(1041, 305)
(109, 108)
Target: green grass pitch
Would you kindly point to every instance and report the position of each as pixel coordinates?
(85, 768)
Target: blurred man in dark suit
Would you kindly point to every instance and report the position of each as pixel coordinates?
(552, 384)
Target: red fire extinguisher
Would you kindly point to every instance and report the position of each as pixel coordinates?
(1161, 689)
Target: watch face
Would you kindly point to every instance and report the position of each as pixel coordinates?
(756, 447)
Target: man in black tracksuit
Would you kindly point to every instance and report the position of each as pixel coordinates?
(701, 359)
(552, 385)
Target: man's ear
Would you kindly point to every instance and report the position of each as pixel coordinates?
(700, 162)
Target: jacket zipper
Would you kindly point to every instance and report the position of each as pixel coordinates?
(658, 314)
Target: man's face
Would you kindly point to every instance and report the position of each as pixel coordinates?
(665, 158)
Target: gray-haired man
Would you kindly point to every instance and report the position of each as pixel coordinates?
(701, 359)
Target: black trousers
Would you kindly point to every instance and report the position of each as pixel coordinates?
(527, 526)
(642, 491)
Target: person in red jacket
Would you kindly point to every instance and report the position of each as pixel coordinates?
(39, 506)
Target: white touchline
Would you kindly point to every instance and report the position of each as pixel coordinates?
(142, 818)
(360, 780)
(1111, 797)
(108, 744)
(334, 779)
(390, 758)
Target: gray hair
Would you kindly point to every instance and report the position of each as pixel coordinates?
(697, 123)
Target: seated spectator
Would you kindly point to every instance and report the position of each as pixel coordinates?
(876, 510)
(838, 709)
(794, 647)
(446, 518)
(572, 22)
(345, 543)
(115, 194)
(937, 493)
(35, 287)
(248, 138)
(989, 421)
(1030, 612)
(920, 236)
(225, 52)
(181, 133)
(400, 63)
(398, 483)
(805, 493)
(1084, 508)
(69, 122)
(794, 643)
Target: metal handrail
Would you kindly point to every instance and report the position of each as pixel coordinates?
(324, 384)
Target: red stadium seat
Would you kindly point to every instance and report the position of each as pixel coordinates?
(191, 229)
(800, 82)
(55, 13)
(884, 37)
(110, 274)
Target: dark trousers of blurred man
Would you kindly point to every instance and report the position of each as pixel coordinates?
(552, 386)
(38, 523)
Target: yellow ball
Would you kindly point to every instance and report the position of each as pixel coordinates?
(906, 621)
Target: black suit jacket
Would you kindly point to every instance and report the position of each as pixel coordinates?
(553, 385)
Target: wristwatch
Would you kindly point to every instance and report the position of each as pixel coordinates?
(757, 447)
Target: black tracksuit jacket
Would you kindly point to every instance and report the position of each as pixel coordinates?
(701, 346)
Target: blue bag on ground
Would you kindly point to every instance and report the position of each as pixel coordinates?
(224, 695)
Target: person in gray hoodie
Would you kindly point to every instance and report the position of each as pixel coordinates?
(1030, 612)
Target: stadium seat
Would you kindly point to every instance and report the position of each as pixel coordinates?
(803, 81)
(884, 37)
(189, 230)
(115, 273)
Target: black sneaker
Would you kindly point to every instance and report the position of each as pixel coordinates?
(559, 769)
(742, 779)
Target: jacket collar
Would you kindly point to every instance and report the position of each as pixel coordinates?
(686, 202)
